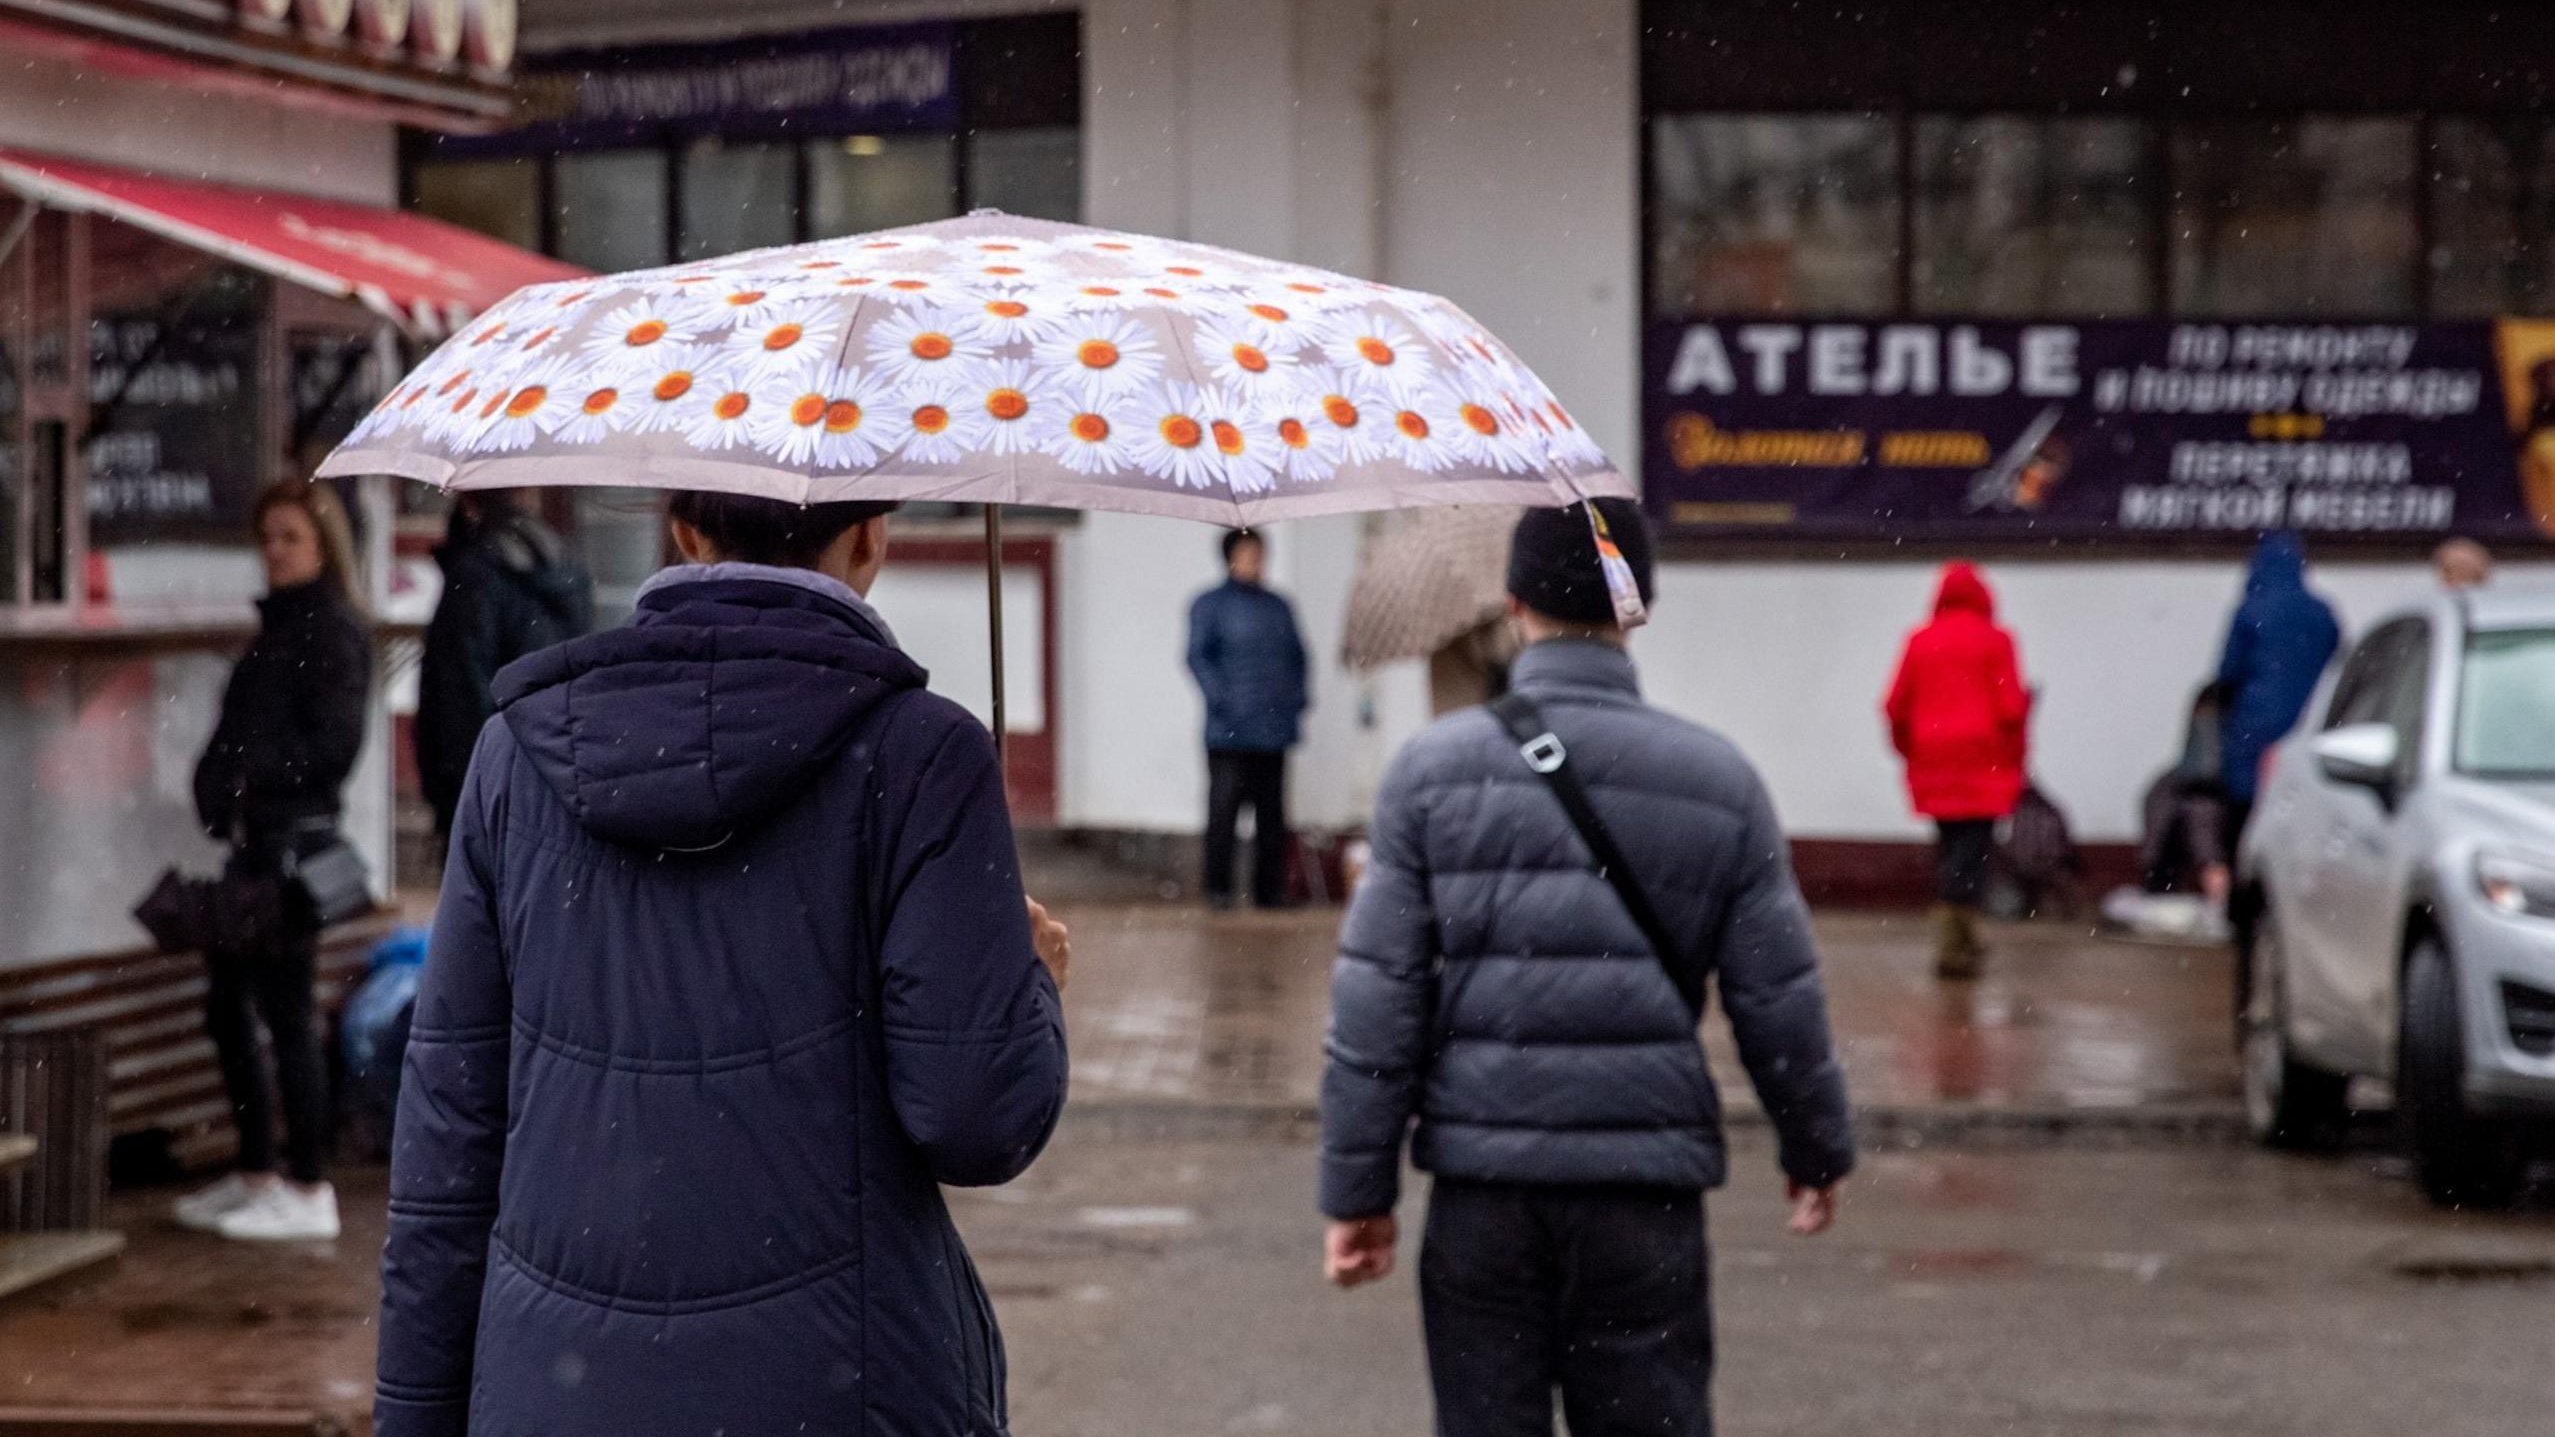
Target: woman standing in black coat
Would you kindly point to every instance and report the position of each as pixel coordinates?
(292, 722)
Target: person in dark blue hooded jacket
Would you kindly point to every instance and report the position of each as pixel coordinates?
(732, 971)
(2277, 647)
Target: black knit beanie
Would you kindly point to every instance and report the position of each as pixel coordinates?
(1552, 561)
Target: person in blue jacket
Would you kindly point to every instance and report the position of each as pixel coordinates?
(731, 972)
(2277, 646)
(1249, 663)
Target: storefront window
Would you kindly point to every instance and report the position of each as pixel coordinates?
(2493, 216)
(1033, 172)
(501, 198)
(861, 183)
(174, 439)
(738, 197)
(2024, 216)
(612, 209)
(2312, 216)
(1774, 214)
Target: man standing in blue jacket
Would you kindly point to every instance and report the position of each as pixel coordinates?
(1249, 663)
(1497, 1005)
(2281, 638)
(731, 973)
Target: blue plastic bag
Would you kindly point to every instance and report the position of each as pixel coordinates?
(374, 1029)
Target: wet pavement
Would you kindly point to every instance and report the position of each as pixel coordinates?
(1172, 1287)
(1157, 1270)
(1168, 1005)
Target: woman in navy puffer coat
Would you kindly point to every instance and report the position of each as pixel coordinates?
(732, 971)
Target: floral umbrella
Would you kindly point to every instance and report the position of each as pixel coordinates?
(990, 359)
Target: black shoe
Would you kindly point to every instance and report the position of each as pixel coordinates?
(1274, 905)
(1220, 902)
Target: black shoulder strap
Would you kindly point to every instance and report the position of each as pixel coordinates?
(1544, 753)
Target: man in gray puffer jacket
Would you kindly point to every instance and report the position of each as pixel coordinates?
(1492, 985)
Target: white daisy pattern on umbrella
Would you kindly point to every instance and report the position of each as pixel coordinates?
(984, 348)
(788, 418)
(1015, 318)
(1134, 251)
(914, 286)
(1275, 321)
(788, 338)
(1372, 341)
(534, 402)
(937, 418)
(667, 389)
(1570, 442)
(921, 339)
(1487, 434)
(1001, 246)
(856, 427)
(1359, 412)
(1173, 441)
(1307, 444)
(1310, 291)
(1007, 271)
(1236, 358)
(1108, 296)
(739, 301)
(719, 414)
(1424, 427)
(1101, 354)
(634, 333)
(597, 410)
(884, 247)
(1247, 443)
(1087, 435)
(1015, 397)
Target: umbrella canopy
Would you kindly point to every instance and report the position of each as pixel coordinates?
(990, 359)
(1429, 578)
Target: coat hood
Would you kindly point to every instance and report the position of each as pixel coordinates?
(706, 713)
(2279, 562)
(1963, 591)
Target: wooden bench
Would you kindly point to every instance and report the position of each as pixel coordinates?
(148, 1008)
(30, 1259)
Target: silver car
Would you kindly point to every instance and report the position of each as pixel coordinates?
(2396, 896)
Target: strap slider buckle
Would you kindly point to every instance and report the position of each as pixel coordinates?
(1544, 753)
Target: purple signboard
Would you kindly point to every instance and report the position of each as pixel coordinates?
(816, 83)
(2120, 431)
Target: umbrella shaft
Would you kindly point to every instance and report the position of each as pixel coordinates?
(993, 609)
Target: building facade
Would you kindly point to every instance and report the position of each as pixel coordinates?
(204, 279)
(1892, 181)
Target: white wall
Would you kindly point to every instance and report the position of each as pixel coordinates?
(1441, 144)
(170, 130)
(1790, 660)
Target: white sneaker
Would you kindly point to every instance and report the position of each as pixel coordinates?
(284, 1212)
(204, 1209)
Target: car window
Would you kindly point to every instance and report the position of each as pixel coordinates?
(2506, 705)
(2408, 695)
(2362, 693)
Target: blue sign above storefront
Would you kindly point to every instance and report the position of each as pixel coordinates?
(881, 78)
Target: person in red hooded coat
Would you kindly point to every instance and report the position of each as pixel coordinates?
(1957, 712)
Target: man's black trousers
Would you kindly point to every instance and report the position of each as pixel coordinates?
(1601, 1293)
(1234, 778)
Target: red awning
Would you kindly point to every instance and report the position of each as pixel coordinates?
(427, 275)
